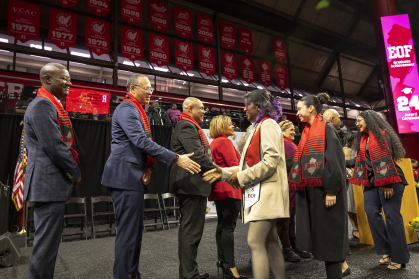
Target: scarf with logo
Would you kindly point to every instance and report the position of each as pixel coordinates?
(130, 98)
(308, 162)
(186, 116)
(383, 166)
(64, 123)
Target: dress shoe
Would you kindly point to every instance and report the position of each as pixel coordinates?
(290, 256)
(301, 253)
(230, 274)
(204, 276)
(347, 272)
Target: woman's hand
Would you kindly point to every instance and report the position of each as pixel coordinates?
(330, 200)
(212, 175)
(234, 181)
(388, 192)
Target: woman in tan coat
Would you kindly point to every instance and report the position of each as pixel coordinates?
(262, 177)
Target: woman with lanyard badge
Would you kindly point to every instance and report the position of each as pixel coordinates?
(262, 169)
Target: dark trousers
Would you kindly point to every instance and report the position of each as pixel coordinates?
(286, 230)
(192, 219)
(49, 221)
(129, 207)
(333, 270)
(227, 213)
(389, 238)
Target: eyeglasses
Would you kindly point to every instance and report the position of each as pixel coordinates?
(146, 88)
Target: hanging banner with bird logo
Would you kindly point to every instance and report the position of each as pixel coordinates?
(245, 40)
(159, 15)
(206, 60)
(99, 7)
(183, 22)
(184, 55)
(228, 35)
(98, 36)
(131, 10)
(281, 77)
(62, 29)
(159, 49)
(205, 28)
(131, 43)
(265, 73)
(247, 66)
(23, 23)
(279, 50)
(229, 65)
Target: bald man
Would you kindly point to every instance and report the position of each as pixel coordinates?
(333, 117)
(52, 168)
(191, 190)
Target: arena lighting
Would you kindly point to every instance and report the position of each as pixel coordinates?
(224, 80)
(40, 56)
(40, 47)
(128, 63)
(191, 75)
(357, 105)
(4, 50)
(77, 63)
(161, 69)
(80, 54)
(259, 87)
(2, 40)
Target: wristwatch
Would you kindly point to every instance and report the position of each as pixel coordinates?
(176, 158)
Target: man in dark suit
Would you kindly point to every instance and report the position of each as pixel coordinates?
(191, 190)
(52, 168)
(128, 169)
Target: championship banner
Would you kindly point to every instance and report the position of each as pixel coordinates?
(62, 29)
(183, 22)
(68, 3)
(245, 40)
(131, 10)
(265, 73)
(159, 15)
(98, 36)
(247, 66)
(229, 65)
(281, 77)
(131, 43)
(23, 21)
(205, 28)
(99, 7)
(159, 49)
(228, 35)
(279, 50)
(206, 60)
(184, 55)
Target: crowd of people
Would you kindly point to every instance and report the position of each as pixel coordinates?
(299, 194)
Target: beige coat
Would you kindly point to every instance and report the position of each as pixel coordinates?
(271, 172)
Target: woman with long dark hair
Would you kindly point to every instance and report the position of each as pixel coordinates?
(263, 179)
(379, 149)
(318, 175)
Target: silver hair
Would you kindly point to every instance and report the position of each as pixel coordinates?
(133, 80)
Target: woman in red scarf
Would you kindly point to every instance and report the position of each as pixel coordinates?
(379, 149)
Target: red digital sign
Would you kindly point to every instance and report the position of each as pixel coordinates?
(87, 101)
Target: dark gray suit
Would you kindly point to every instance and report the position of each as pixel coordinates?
(50, 174)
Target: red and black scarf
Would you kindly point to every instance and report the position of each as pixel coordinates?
(383, 166)
(308, 163)
(130, 98)
(290, 141)
(64, 123)
(186, 116)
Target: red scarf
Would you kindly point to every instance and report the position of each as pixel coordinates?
(130, 98)
(290, 141)
(64, 123)
(383, 166)
(253, 151)
(207, 149)
(308, 163)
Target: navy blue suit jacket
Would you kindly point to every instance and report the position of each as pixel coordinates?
(51, 169)
(129, 149)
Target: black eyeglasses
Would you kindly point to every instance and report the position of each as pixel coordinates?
(146, 88)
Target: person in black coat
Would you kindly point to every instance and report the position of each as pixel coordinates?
(191, 190)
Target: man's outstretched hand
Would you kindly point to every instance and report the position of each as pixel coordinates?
(185, 163)
(212, 175)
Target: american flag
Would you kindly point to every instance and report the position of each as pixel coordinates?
(19, 177)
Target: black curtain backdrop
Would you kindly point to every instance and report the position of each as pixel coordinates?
(93, 140)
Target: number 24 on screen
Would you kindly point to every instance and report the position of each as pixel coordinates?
(403, 103)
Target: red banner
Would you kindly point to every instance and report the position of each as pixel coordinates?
(205, 28)
(281, 77)
(228, 35)
(62, 29)
(99, 7)
(23, 21)
(247, 66)
(183, 22)
(265, 73)
(131, 43)
(245, 40)
(159, 49)
(229, 65)
(68, 3)
(131, 10)
(206, 60)
(87, 100)
(98, 36)
(279, 50)
(184, 55)
(159, 15)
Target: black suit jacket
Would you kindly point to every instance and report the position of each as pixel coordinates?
(186, 140)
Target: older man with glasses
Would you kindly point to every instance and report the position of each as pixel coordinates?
(129, 168)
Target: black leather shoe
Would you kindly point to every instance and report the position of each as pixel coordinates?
(230, 274)
(204, 276)
(290, 256)
(301, 253)
(347, 272)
